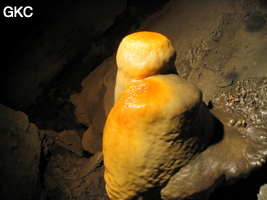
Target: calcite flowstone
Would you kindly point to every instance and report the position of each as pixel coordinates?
(240, 149)
(20, 155)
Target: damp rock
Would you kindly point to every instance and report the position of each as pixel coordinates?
(94, 103)
(92, 141)
(70, 140)
(238, 151)
(225, 82)
(62, 172)
(92, 163)
(263, 192)
(96, 98)
(255, 23)
(20, 156)
(232, 122)
(47, 139)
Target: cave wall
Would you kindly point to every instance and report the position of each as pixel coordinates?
(52, 45)
(60, 56)
(62, 38)
(216, 47)
(218, 42)
(44, 60)
(20, 151)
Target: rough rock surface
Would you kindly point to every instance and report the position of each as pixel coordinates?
(263, 192)
(94, 102)
(241, 148)
(217, 42)
(67, 33)
(70, 140)
(91, 141)
(69, 176)
(20, 156)
(68, 173)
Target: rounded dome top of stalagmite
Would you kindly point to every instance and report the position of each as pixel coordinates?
(145, 53)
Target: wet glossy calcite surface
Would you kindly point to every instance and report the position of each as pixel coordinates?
(158, 122)
(241, 146)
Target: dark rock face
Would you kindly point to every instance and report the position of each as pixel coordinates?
(54, 44)
(20, 155)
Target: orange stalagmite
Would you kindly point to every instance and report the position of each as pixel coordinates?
(141, 55)
(158, 122)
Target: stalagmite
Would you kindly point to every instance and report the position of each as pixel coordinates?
(158, 123)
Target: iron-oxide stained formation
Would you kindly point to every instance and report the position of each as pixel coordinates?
(162, 142)
(158, 122)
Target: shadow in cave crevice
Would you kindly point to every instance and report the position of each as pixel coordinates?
(247, 188)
